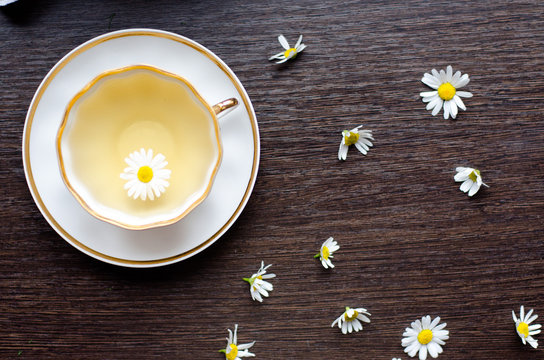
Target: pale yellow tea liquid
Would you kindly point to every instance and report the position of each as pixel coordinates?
(138, 109)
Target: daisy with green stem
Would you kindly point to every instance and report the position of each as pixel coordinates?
(233, 351)
(258, 286)
(326, 251)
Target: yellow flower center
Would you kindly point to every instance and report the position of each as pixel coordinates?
(446, 91)
(233, 352)
(425, 337)
(474, 175)
(351, 138)
(523, 329)
(287, 53)
(352, 317)
(325, 252)
(145, 174)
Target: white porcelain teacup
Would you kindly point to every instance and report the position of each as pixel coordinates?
(119, 131)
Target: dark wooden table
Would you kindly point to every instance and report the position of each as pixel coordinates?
(411, 243)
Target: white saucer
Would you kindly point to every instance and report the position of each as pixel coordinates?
(232, 187)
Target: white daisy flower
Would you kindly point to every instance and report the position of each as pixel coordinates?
(359, 138)
(145, 175)
(425, 337)
(290, 52)
(445, 94)
(396, 359)
(233, 351)
(258, 287)
(326, 251)
(471, 178)
(523, 327)
(351, 319)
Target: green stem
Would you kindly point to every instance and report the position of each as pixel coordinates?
(317, 255)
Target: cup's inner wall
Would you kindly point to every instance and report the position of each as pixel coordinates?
(128, 111)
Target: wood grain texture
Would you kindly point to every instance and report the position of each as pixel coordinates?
(411, 243)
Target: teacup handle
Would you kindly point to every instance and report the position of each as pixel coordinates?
(224, 105)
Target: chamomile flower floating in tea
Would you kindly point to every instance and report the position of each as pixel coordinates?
(524, 328)
(258, 286)
(425, 336)
(359, 138)
(351, 319)
(146, 176)
(289, 52)
(471, 178)
(326, 251)
(446, 94)
(233, 351)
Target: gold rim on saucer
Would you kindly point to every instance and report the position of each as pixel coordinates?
(27, 135)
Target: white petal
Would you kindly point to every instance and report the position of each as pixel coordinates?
(455, 78)
(453, 109)
(527, 316)
(459, 102)
(280, 55)
(464, 94)
(437, 107)
(443, 76)
(474, 189)
(423, 349)
(412, 349)
(246, 346)
(436, 319)
(433, 350)
(466, 185)
(462, 174)
(283, 42)
(361, 149)
(449, 72)
(434, 103)
(446, 109)
(430, 83)
(342, 152)
(426, 94)
(299, 41)
(461, 82)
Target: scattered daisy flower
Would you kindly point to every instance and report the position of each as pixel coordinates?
(326, 251)
(145, 174)
(232, 351)
(446, 94)
(396, 359)
(290, 52)
(523, 327)
(425, 336)
(471, 178)
(351, 319)
(353, 137)
(257, 285)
